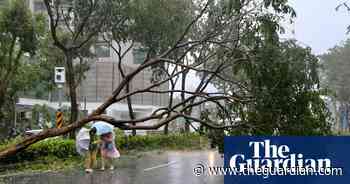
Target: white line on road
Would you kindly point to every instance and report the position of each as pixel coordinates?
(160, 166)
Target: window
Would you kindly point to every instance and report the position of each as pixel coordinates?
(139, 55)
(102, 50)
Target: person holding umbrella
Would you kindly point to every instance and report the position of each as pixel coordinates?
(108, 149)
(94, 146)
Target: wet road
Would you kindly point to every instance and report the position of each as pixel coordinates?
(168, 167)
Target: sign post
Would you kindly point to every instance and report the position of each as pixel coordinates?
(59, 119)
(60, 79)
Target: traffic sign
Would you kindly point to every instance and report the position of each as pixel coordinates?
(60, 77)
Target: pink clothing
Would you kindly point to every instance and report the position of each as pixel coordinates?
(108, 148)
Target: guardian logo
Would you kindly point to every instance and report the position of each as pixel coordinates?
(288, 160)
(267, 155)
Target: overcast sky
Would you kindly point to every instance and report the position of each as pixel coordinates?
(319, 25)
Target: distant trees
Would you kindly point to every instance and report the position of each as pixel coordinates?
(337, 78)
(337, 70)
(19, 34)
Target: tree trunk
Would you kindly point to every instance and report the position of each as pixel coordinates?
(131, 111)
(13, 149)
(183, 88)
(2, 116)
(166, 129)
(2, 104)
(70, 75)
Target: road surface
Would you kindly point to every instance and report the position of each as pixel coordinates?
(168, 168)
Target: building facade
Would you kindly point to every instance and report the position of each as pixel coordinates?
(104, 75)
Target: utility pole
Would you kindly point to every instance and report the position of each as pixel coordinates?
(60, 88)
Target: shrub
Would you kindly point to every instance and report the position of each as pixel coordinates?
(58, 147)
(65, 148)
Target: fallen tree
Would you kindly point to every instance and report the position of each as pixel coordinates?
(217, 34)
(123, 124)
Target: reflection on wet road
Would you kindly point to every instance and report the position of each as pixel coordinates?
(169, 168)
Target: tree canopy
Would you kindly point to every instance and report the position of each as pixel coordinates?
(337, 71)
(283, 79)
(18, 42)
(280, 77)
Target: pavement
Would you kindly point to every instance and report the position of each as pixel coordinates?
(174, 167)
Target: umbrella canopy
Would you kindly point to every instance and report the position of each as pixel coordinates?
(102, 127)
(82, 141)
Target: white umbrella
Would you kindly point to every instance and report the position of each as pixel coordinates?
(102, 127)
(82, 141)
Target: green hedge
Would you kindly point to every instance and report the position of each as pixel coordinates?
(65, 148)
(60, 148)
(150, 142)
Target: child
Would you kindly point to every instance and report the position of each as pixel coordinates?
(108, 150)
(94, 145)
